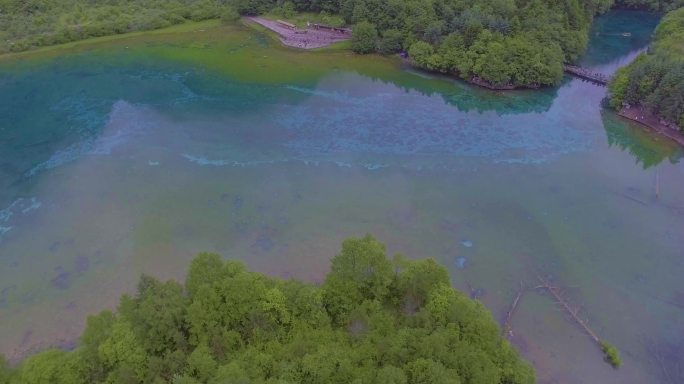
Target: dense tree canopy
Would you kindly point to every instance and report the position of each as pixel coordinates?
(372, 321)
(656, 79)
(503, 42)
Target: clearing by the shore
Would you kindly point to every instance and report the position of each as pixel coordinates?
(308, 38)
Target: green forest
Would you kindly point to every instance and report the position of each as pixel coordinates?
(655, 79)
(503, 43)
(372, 320)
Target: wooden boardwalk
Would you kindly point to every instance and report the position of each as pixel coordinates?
(586, 74)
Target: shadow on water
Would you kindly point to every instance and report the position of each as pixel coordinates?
(648, 148)
(467, 97)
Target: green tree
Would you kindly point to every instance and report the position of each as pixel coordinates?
(390, 375)
(205, 269)
(427, 371)
(418, 278)
(98, 329)
(421, 52)
(157, 314)
(364, 37)
(655, 81)
(360, 272)
(4, 370)
(201, 364)
(51, 367)
(612, 354)
(229, 15)
(390, 42)
(249, 328)
(231, 373)
(122, 353)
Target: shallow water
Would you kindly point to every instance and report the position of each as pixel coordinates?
(131, 156)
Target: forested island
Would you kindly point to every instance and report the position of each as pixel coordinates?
(371, 321)
(499, 43)
(651, 89)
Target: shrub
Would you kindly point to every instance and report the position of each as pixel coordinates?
(612, 354)
(364, 37)
(229, 15)
(390, 42)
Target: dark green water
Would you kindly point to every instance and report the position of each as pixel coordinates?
(131, 156)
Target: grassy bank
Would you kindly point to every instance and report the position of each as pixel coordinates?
(188, 27)
(29, 24)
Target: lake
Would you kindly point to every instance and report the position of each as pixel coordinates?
(132, 155)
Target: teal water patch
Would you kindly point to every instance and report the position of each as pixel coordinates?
(52, 114)
(617, 37)
(81, 94)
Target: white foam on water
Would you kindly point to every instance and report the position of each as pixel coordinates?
(374, 167)
(6, 214)
(203, 161)
(124, 122)
(33, 204)
(20, 206)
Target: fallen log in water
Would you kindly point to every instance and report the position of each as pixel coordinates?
(634, 199)
(611, 353)
(506, 328)
(569, 309)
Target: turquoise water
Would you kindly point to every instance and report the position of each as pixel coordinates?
(132, 156)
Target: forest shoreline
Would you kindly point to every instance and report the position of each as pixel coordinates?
(635, 113)
(267, 25)
(644, 117)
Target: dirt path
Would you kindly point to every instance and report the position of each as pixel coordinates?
(309, 38)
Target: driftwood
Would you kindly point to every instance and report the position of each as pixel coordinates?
(571, 310)
(634, 199)
(506, 328)
(610, 352)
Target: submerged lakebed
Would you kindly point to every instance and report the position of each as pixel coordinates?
(132, 155)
